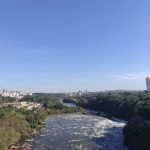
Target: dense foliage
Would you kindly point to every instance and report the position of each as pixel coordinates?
(137, 134)
(39, 99)
(51, 95)
(122, 105)
(6, 99)
(69, 100)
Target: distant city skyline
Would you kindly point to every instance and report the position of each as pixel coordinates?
(16, 94)
(66, 46)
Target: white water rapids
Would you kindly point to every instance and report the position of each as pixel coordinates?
(78, 132)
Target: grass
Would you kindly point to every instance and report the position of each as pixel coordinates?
(17, 122)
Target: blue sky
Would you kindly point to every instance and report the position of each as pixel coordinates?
(67, 45)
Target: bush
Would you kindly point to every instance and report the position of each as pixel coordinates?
(137, 134)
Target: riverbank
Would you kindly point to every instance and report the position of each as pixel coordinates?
(124, 105)
(17, 124)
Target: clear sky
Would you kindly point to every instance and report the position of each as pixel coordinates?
(67, 45)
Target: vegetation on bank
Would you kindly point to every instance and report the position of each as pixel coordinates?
(40, 99)
(6, 99)
(137, 134)
(16, 123)
(124, 105)
(69, 99)
(50, 95)
(12, 125)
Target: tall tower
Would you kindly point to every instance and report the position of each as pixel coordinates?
(79, 93)
(148, 83)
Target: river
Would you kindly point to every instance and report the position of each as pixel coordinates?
(78, 132)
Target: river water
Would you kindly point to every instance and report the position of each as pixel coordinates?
(78, 132)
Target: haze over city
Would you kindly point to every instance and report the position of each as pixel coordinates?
(61, 46)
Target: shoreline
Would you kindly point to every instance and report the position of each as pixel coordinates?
(21, 142)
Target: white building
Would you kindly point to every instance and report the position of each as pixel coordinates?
(16, 94)
(79, 93)
(148, 83)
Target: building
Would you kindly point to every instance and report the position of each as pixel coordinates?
(79, 93)
(26, 105)
(15, 94)
(86, 92)
(148, 83)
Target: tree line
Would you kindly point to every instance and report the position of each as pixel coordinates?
(131, 106)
